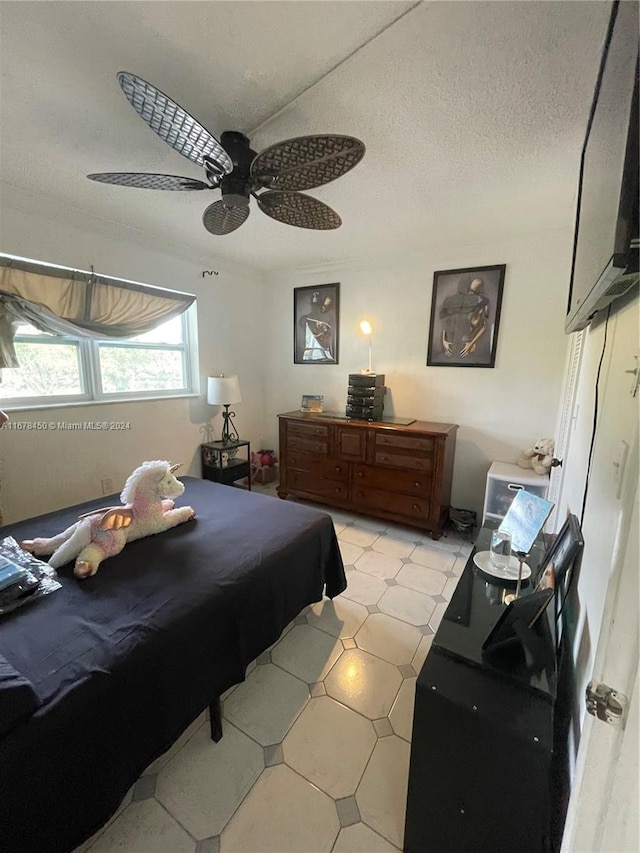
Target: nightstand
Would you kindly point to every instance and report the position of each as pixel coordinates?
(221, 463)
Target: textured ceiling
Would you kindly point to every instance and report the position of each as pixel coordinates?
(473, 114)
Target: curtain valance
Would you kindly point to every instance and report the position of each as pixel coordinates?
(81, 303)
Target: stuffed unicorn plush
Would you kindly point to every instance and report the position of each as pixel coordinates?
(148, 497)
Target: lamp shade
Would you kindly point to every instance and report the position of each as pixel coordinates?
(223, 390)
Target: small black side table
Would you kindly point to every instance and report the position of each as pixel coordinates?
(221, 464)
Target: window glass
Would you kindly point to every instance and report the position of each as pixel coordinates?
(65, 369)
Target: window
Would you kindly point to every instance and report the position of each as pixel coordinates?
(62, 369)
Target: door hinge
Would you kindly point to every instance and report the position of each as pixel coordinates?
(606, 704)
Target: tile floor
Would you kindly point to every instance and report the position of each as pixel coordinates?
(315, 753)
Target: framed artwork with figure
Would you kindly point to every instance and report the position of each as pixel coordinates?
(315, 324)
(465, 316)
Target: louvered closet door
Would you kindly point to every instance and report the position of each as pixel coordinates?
(564, 427)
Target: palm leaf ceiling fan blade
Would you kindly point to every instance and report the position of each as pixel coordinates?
(298, 209)
(173, 124)
(305, 162)
(219, 219)
(146, 181)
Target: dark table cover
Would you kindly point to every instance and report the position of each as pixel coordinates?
(121, 663)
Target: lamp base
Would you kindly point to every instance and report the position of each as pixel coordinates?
(229, 433)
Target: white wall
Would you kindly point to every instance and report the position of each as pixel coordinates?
(41, 471)
(501, 411)
(606, 514)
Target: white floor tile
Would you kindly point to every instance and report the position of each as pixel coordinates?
(436, 616)
(358, 536)
(379, 565)
(370, 522)
(401, 716)
(330, 745)
(144, 827)
(267, 704)
(350, 553)
(339, 617)
(422, 579)
(450, 588)
(421, 654)
(364, 682)
(283, 813)
(364, 588)
(410, 534)
(394, 546)
(360, 839)
(205, 782)
(407, 605)
(389, 638)
(307, 653)
(433, 558)
(382, 795)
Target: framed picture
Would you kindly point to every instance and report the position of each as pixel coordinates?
(315, 324)
(465, 317)
(560, 559)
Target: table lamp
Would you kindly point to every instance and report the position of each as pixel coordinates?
(365, 328)
(224, 391)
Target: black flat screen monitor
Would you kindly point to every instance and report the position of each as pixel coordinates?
(607, 212)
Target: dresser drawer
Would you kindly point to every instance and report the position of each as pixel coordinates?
(407, 505)
(393, 481)
(305, 481)
(404, 442)
(310, 445)
(319, 467)
(401, 460)
(307, 429)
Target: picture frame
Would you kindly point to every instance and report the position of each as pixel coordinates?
(527, 610)
(560, 558)
(465, 316)
(316, 319)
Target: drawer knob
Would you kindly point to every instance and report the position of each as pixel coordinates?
(383, 458)
(360, 474)
(416, 507)
(417, 485)
(338, 490)
(338, 468)
(360, 494)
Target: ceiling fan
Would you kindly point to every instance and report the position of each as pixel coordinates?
(279, 172)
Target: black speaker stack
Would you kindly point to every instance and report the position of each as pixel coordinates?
(365, 396)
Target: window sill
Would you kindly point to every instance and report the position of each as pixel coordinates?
(78, 404)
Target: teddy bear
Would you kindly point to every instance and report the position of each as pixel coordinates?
(539, 457)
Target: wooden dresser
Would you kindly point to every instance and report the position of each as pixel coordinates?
(401, 473)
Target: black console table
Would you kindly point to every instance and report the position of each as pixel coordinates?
(481, 771)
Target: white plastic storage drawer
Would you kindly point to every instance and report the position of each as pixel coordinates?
(504, 480)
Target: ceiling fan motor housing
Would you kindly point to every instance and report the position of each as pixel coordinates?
(237, 186)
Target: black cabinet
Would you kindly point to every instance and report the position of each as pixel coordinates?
(222, 463)
(481, 770)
